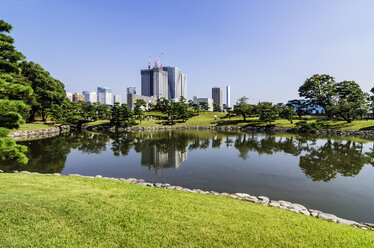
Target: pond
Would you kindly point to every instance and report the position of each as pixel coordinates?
(334, 175)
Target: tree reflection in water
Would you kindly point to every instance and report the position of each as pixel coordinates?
(319, 159)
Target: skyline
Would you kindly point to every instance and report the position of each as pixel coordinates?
(251, 46)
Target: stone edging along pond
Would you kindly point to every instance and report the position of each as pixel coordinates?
(285, 205)
(105, 128)
(39, 133)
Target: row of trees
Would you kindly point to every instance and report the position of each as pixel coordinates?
(323, 96)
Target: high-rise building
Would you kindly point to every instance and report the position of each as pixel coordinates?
(154, 82)
(217, 96)
(204, 99)
(104, 96)
(177, 83)
(131, 90)
(117, 98)
(78, 97)
(69, 95)
(228, 104)
(131, 100)
(90, 96)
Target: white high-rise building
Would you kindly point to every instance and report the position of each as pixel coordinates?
(117, 98)
(204, 99)
(90, 96)
(104, 95)
(228, 104)
(69, 95)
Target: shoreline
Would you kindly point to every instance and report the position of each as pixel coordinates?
(266, 201)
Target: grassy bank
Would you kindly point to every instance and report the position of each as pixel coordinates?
(56, 211)
(208, 119)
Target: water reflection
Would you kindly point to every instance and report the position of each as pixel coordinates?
(319, 159)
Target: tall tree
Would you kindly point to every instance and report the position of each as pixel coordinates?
(9, 56)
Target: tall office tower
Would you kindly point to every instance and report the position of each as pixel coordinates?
(217, 96)
(177, 83)
(131, 90)
(184, 85)
(228, 96)
(154, 82)
(117, 98)
(69, 95)
(90, 96)
(104, 95)
(78, 97)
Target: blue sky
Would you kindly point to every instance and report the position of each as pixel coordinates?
(263, 49)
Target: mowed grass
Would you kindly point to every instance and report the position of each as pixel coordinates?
(58, 211)
(34, 126)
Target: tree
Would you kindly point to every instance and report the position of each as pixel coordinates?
(195, 106)
(287, 113)
(350, 101)
(216, 107)
(47, 90)
(204, 106)
(140, 105)
(268, 114)
(300, 106)
(320, 89)
(9, 56)
(243, 108)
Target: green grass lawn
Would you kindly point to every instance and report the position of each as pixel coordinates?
(57, 211)
(34, 126)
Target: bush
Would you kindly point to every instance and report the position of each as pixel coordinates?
(310, 127)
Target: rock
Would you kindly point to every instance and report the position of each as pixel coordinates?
(274, 204)
(74, 175)
(299, 206)
(329, 217)
(284, 203)
(264, 200)
(224, 194)
(164, 185)
(25, 172)
(148, 184)
(294, 210)
(232, 196)
(178, 188)
(314, 213)
(304, 211)
(56, 174)
(196, 191)
(242, 195)
(158, 185)
(205, 192)
(1, 171)
(139, 180)
(98, 176)
(251, 198)
(214, 193)
(283, 207)
(187, 190)
(15, 171)
(346, 222)
(296, 207)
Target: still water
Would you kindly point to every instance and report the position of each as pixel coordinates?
(334, 175)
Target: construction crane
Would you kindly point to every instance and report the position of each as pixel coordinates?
(157, 61)
(149, 62)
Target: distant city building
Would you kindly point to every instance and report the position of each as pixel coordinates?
(90, 96)
(78, 97)
(104, 96)
(177, 83)
(131, 100)
(131, 90)
(69, 96)
(217, 96)
(154, 82)
(228, 99)
(117, 98)
(204, 99)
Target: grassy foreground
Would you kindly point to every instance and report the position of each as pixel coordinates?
(57, 211)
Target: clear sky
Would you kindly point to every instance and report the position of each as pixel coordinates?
(263, 49)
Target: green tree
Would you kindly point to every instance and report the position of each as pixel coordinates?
(287, 113)
(204, 106)
(217, 107)
(47, 90)
(243, 108)
(9, 56)
(320, 89)
(301, 107)
(140, 105)
(267, 112)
